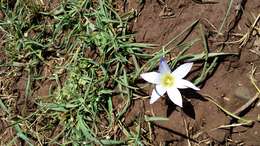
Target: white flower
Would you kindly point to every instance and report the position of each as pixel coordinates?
(167, 81)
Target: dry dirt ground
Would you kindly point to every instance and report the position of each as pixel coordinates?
(230, 85)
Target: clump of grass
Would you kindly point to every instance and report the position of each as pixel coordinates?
(97, 50)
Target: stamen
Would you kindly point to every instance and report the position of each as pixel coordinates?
(167, 80)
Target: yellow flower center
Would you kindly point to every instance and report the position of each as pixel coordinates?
(167, 80)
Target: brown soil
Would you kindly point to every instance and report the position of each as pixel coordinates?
(230, 84)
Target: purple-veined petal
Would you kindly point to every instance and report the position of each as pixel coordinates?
(164, 67)
(175, 96)
(152, 77)
(157, 93)
(181, 71)
(182, 84)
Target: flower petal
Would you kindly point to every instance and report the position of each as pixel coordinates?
(181, 71)
(157, 93)
(182, 84)
(152, 77)
(164, 67)
(175, 96)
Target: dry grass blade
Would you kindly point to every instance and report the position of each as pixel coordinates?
(243, 121)
(245, 37)
(246, 105)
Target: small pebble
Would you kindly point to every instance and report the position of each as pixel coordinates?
(242, 93)
(258, 104)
